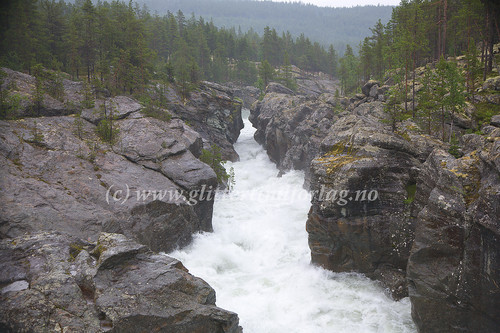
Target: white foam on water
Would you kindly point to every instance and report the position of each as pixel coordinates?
(258, 260)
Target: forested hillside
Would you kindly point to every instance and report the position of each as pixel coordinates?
(454, 40)
(336, 26)
(122, 46)
(420, 32)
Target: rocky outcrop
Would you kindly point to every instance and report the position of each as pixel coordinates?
(61, 181)
(63, 185)
(361, 215)
(247, 94)
(52, 281)
(314, 84)
(21, 87)
(453, 269)
(213, 112)
(120, 107)
(292, 127)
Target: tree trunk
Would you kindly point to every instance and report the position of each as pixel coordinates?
(485, 45)
(439, 33)
(451, 126)
(442, 123)
(413, 94)
(406, 85)
(445, 26)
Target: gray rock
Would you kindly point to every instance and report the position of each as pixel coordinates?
(495, 121)
(115, 285)
(81, 187)
(23, 86)
(373, 237)
(374, 91)
(291, 128)
(368, 86)
(455, 257)
(248, 94)
(492, 84)
(313, 85)
(278, 88)
(120, 106)
(213, 112)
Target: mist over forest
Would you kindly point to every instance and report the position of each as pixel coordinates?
(336, 26)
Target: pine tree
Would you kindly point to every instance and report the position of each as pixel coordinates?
(455, 98)
(266, 73)
(287, 76)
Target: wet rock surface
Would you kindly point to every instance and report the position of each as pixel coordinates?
(80, 216)
(212, 111)
(291, 128)
(53, 281)
(361, 215)
(82, 186)
(454, 264)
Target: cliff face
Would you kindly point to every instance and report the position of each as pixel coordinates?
(454, 267)
(63, 186)
(292, 127)
(213, 112)
(361, 216)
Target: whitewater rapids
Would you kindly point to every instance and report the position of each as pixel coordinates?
(258, 261)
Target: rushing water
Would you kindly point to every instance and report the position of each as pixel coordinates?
(258, 261)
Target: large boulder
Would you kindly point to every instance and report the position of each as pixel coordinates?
(314, 84)
(55, 282)
(492, 84)
(454, 266)
(368, 89)
(61, 177)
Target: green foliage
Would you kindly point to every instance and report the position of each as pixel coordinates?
(37, 136)
(88, 97)
(454, 147)
(266, 75)
(286, 76)
(106, 129)
(411, 189)
(9, 104)
(213, 158)
(393, 108)
(106, 132)
(4, 107)
(78, 125)
(54, 85)
(152, 109)
(121, 47)
(484, 112)
(38, 94)
(349, 72)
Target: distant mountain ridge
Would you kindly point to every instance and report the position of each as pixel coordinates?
(337, 26)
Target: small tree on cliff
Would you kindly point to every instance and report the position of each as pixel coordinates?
(266, 74)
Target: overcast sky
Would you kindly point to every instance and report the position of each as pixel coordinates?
(346, 3)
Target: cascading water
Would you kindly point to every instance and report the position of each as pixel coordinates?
(258, 261)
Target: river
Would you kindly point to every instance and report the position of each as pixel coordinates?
(258, 261)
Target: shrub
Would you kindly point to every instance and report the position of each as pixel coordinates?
(213, 158)
(106, 132)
